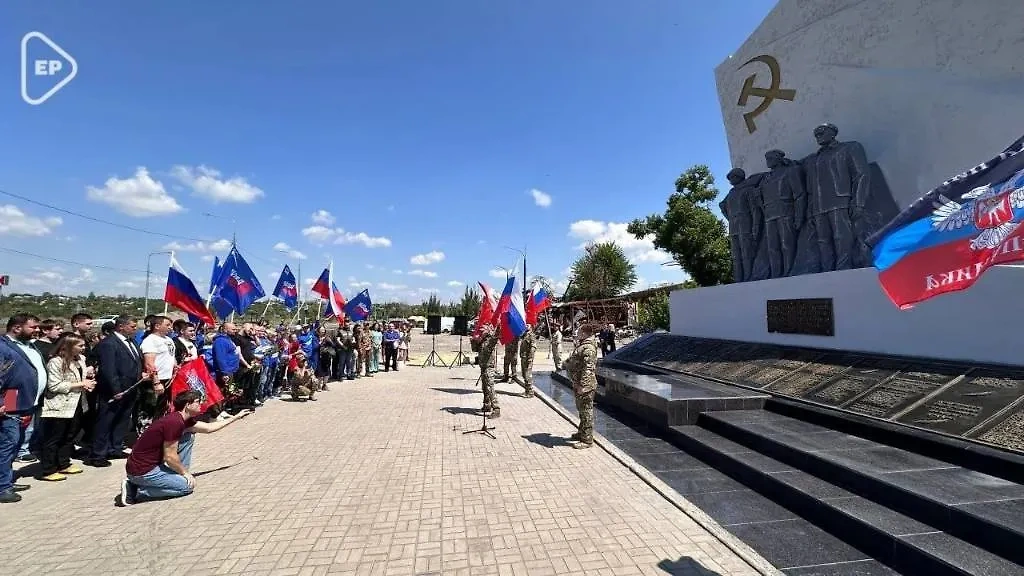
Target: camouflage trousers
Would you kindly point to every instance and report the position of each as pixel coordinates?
(487, 383)
(300, 390)
(511, 364)
(585, 407)
(364, 362)
(556, 355)
(527, 366)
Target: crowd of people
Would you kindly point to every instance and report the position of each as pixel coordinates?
(105, 394)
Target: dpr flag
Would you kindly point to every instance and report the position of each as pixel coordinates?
(238, 286)
(286, 289)
(194, 375)
(945, 240)
(359, 307)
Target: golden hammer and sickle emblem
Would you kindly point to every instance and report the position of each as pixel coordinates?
(767, 95)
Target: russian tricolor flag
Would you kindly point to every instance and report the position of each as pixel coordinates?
(511, 313)
(945, 240)
(537, 302)
(335, 301)
(182, 294)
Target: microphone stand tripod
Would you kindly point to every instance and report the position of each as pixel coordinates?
(459, 358)
(433, 359)
(484, 428)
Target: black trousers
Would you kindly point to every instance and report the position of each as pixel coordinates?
(59, 442)
(113, 422)
(390, 358)
(250, 382)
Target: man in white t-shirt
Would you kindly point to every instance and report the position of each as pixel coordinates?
(157, 361)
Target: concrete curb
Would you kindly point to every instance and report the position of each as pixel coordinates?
(737, 546)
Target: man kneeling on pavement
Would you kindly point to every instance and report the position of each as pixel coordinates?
(158, 467)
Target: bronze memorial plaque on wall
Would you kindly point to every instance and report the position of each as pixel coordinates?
(801, 316)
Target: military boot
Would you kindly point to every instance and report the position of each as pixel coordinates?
(496, 413)
(582, 445)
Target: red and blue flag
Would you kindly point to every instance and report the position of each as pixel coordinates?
(238, 285)
(359, 307)
(947, 239)
(286, 289)
(537, 301)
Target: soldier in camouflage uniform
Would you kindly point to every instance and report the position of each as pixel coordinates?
(556, 344)
(364, 340)
(511, 361)
(527, 348)
(488, 342)
(582, 368)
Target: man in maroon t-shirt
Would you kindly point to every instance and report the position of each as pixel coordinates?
(158, 466)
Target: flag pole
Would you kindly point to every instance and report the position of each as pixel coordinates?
(170, 264)
(269, 300)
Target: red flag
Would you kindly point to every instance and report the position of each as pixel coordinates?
(194, 375)
(488, 304)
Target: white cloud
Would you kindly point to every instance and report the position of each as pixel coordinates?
(55, 281)
(14, 222)
(138, 196)
(387, 286)
(321, 235)
(540, 198)
(206, 182)
(423, 273)
(454, 283)
(206, 257)
(396, 271)
(323, 217)
(370, 266)
(427, 259)
(498, 273)
(596, 231)
(282, 247)
(361, 284)
(85, 276)
(222, 245)
(275, 217)
(127, 284)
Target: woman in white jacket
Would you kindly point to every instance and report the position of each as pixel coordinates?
(64, 404)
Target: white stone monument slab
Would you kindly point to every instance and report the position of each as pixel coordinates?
(929, 87)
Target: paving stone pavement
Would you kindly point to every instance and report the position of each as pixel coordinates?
(376, 478)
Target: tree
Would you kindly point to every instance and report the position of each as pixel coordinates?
(544, 282)
(690, 231)
(603, 272)
(432, 305)
(652, 313)
(470, 303)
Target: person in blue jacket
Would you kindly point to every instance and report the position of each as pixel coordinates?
(22, 382)
(223, 361)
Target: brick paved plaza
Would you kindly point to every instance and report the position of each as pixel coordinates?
(375, 478)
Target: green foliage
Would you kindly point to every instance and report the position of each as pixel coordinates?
(652, 313)
(690, 231)
(470, 303)
(603, 272)
(432, 305)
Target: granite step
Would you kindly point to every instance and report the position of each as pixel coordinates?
(977, 509)
(903, 543)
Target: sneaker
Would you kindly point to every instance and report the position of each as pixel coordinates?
(20, 487)
(26, 459)
(259, 403)
(55, 477)
(127, 492)
(97, 462)
(9, 497)
(71, 470)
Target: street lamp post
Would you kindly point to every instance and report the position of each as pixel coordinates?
(145, 305)
(523, 253)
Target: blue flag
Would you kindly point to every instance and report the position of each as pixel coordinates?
(359, 307)
(215, 275)
(221, 307)
(237, 285)
(286, 289)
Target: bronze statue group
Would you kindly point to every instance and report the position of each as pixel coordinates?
(581, 366)
(815, 215)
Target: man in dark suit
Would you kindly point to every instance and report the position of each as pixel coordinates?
(22, 382)
(120, 368)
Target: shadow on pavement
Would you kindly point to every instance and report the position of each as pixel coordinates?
(455, 390)
(461, 410)
(547, 440)
(686, 566)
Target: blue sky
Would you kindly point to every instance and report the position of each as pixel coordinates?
(371, 133)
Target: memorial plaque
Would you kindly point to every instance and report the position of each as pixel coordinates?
(936, 373)
(891, 396)
(1006, 433)
(966, 404)
(764, 376)
(812, 375)
(730, 371)
(875, 368)
(841, 390)
(801, 316)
